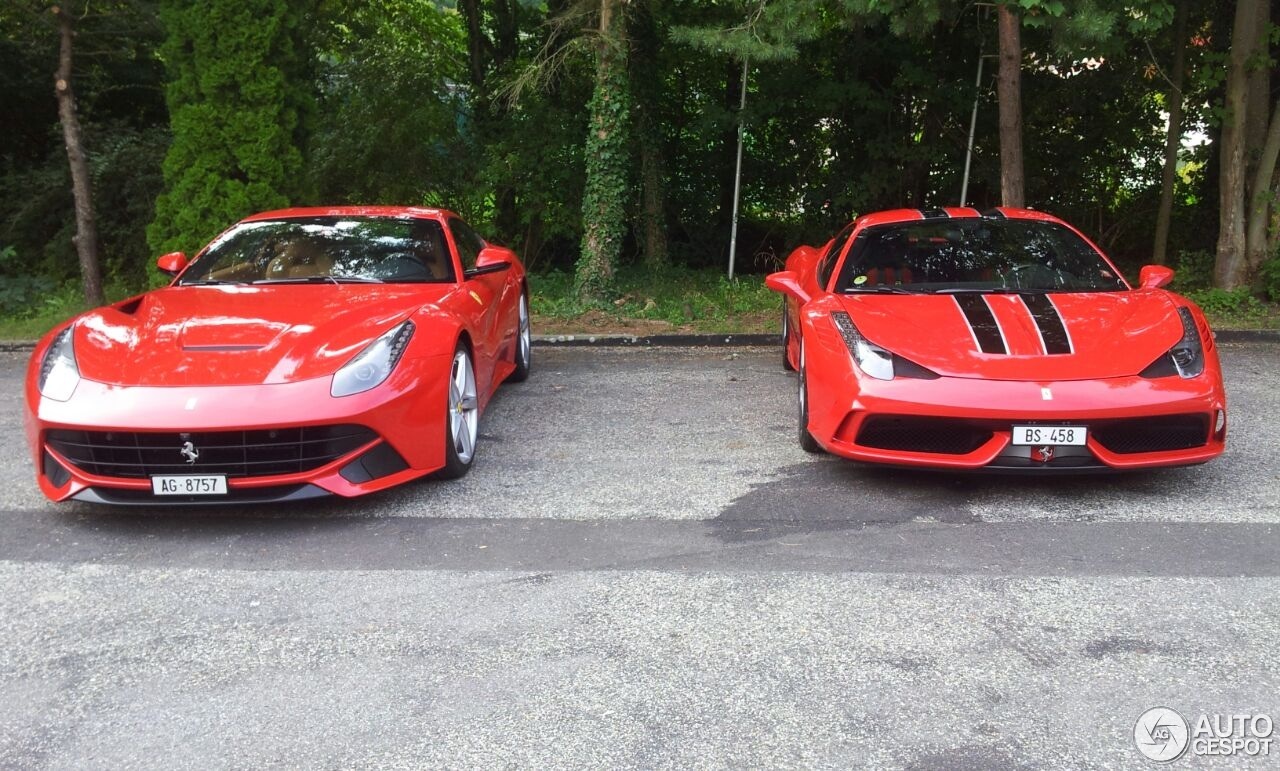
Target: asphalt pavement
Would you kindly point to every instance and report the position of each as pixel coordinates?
(644, 570)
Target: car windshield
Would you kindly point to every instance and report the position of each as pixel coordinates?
(974, 255)
(326, 250)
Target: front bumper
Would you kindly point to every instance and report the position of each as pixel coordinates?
(405, 414)
(989, 409)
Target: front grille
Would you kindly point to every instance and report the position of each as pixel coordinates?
(950, 436)
(1154, 434)
(256, 453)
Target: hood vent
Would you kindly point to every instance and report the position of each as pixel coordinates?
(222, 348)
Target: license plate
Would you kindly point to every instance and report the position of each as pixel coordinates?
(212, 484)
(1069, 436)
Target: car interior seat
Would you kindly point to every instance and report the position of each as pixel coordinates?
(435, 257)
(298, 259)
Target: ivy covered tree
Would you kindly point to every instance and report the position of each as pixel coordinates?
(604, 203)
(239, 96)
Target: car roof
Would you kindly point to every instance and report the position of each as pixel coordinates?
(352, 211)
(952, 212)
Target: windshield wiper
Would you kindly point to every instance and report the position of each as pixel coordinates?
(319, 280)
(990, 290)
(209, 282)
(883, 289)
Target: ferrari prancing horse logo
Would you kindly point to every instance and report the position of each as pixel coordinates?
(189, 452)
(1042, 454)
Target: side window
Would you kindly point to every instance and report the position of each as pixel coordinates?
(829, 259)
(469, 244)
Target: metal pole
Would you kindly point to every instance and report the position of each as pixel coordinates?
(973, 125)
(737, 175)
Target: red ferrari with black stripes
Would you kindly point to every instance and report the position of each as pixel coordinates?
(302, 353)
(1003, 340)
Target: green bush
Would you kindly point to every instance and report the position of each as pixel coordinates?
(1236, 305)
(19, 294)
(1193, 269)
(239, 100)
(1270, 275)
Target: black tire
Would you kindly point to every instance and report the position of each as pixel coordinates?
(455, 466)
(807, 442)
(786, 337)
(524, 352)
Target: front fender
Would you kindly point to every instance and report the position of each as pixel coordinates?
(830, 374)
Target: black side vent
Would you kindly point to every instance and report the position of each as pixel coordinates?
(130, 307)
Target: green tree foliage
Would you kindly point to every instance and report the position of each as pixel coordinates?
(240, 97)
(852, 106)
(391, 125)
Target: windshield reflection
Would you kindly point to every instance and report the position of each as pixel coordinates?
(975, 255)
(326, 250)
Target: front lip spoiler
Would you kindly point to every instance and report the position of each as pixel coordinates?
(243, 496)
(997, 469)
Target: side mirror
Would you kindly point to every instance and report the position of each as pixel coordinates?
(172, 263)
(788, 284)
(1155, 276)
(492, 259)
(492, 255)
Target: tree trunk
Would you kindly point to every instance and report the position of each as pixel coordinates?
(1230, 268)
(86, 237)
(646, 89)
(481, 52)
(1012, 182)
(1258, 93)
(476, 41)
(1173, 139)
(604, 199)
(1262, 196)
(506, 33)
(654, 205)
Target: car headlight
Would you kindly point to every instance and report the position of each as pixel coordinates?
(1188, 354)
(874, 360)
(59, 374)
(1186, 358)
(374, 364)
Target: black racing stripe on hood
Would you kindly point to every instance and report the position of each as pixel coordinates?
(983, 323)
(1052, 330)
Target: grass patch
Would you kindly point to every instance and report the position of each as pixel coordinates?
(685, 300)
(647, 302)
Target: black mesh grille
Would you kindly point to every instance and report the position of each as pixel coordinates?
(1155, 434)
(950, 436)
(257, 453)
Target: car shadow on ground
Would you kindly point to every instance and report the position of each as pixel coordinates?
(829, 494)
